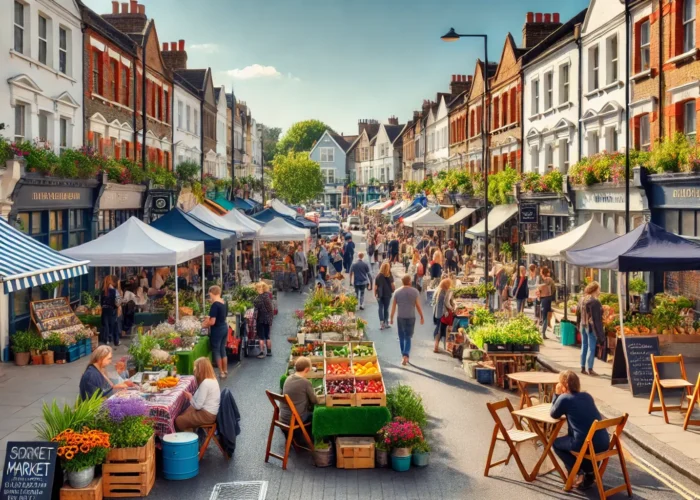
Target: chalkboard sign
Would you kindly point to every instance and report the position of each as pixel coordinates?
(529, 213)
(637, 369)
(29, 470)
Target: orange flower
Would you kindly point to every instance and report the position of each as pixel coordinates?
(61, 450)
(84, 448)
(69, 455)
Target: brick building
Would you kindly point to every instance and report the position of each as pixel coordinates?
(475, 106)
(408, 156)
(154, 86)
(458, 122)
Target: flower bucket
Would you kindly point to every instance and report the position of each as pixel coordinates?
(421, 459)
(81, 478)
(381, 458)
(400, 464)
(323, 458)
(484, 375)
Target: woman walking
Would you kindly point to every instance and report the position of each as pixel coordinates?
(264, 313)
(545, 292)
(413, 269)
(110, 301)
(443, 311)
(218, 329)
(521, 290)
(436, 266)
(383, 290)
(590, 323)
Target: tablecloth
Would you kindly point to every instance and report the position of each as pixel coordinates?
(349, 421)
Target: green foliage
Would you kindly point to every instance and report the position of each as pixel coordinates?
(421, 447)
(485, 289)
(161, 176)
(56, 420)
(140, 350)
(55, 339)
(672, 154)
(187, 172)
(457, 181)
(89, 300)
(22, 341)
(301, 137)
(297, 178)
(321, 444)
(50, 287)
(403, 401)
(6, 152)
(501, 186)
(482, 316)
(518, 330)
(412, 187)
(270, 138)
(551, 182)
(131, 432)
(637, 286)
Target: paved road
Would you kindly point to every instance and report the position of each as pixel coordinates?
(460, 429)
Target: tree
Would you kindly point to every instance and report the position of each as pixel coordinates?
(302, 136)
(270, 138)
(296, 178)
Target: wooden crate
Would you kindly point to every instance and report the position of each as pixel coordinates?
(92, 491)
(371, 398)
(134, 455)
(338, 399)
(332, 361)
(354, 452)
(375, 362)
(128, 480)
(328, 345)
(363, 358)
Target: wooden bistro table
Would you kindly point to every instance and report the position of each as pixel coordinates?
(539, 419)
(545, 381)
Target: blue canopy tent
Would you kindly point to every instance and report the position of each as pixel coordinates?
(269, 214)
(224, 203)
(241, 204)
(256, 206)
(407, 212)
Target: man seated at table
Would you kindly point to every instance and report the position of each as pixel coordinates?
(580, 412)
(301, 392)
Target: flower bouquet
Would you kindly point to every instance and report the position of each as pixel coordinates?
(80, 452)
(400, 435)
(130, 427)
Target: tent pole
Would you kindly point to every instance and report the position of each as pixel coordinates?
(566, 291)
(622, 325)
(204, 285)
(177, 298)
(221, 268)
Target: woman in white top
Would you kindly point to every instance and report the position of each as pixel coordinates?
(204, 404)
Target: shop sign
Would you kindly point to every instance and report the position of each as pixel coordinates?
(612, 200)
(554, 207)
(529, 213)
(49, 197)
(161, 202)
(676, 196)
(121, 199)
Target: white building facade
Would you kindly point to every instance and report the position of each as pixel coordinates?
(437, 138)
(187, 126)
(42, 75)
(221, 136)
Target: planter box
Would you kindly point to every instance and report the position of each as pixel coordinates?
(92, 491)
(73, 353)
(498, 348)
(526, 348)
(141, 454)
(130, 472)
(683, 338)
(354, 452)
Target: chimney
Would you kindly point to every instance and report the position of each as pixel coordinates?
(176, 57)
(537, 27)
(459, 84)
(416, 115)
(142, 9)
(115, 7)
(393, 120)
(134, 9)
(125, 7)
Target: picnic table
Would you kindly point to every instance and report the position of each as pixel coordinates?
(545, 381)
(547, 428)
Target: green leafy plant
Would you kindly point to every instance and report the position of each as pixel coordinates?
(89, 300)
(501, 186)
(50, 287)
(22, 341)
(187, 172)
(56, 420)
(421, 447)
(485, 289)
(482, 316)
(161, 176)
(672, 154)
(140, 350)
(126, 421)
(637, 286)
(55, 339)
(321, 444)
(403, 401)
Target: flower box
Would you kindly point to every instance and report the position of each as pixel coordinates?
(140, 454)
(526, 347)
(498, 348)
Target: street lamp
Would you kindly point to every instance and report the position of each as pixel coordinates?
(453, 36)
(261, 129)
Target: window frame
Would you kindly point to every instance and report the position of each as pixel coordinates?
(63, 58)
(45, 118)
(19, 43)
(96, 73)
(188, 112)
(62, 133)
(324, 152)
(548, 90)
(690, 115)
(43, 42)
(535, 96)
(20, 116)
(594, 68)
(114, 83)
(645, 48)
(613, 60)
(564, 83)
(688, 26)
(644, 132)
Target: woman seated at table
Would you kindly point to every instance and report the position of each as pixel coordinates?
(204, 404)
(580, 412)
(300, 391)
(95, 376)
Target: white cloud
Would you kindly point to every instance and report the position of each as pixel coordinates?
(206, 48)
(258, 71)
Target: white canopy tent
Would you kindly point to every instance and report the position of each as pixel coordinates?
(136, 244)
(461, 214)
(587, 235)
(380, 206)
(398, 207)
(427, 219)
(280, 230)
(208, 217)
(497, 217)
(418, 214)
(238, 217)
(280, 207)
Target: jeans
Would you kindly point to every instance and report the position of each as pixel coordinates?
(110, 330)
(405, 327)
(546, 309)
(520, 305)
(384, 303)
(360, 293)
(588, 344)
(563, 446)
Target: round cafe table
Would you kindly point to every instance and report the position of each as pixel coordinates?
(545, 381)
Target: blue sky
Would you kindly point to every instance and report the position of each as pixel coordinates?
(338, 60)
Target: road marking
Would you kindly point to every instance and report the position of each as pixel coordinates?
(661, 476)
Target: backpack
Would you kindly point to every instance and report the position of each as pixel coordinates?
(421, 270)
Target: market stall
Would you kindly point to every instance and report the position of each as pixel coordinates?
(276, 243)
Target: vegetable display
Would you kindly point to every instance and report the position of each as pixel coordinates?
(339, 352)
(368, 368)
(342, 386)
(363, 351)
(338, 369)
(369, 386)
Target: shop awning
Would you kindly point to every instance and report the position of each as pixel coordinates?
(26, 262)
(381, 205)
(241, 204)
(214, 207)
(407, 212)
(587, 235)
(497, 217)
(269, 214)
(280, 207)
(224, 203)
(428, 218)
(177, 223)
(462, 214)
(238, 217)
(253, 203)
(370, 204)
(385, 210)
(207, 217)
(135, 243)
(397, 208)
(411, 218)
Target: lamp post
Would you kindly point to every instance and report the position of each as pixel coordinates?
(261, 129)
(453, 36)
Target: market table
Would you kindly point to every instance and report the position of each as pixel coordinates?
(539, 419)
(501, 358)
(185, 359)
(349, 421)
(545, 381)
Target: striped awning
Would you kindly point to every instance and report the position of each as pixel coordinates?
(25, 262)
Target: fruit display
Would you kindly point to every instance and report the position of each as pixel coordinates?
(368, 368)
(167, 382)
(369, 386)
(363, 351)
(338, 369)
(342, 386)
(337, 351)
(317, 384)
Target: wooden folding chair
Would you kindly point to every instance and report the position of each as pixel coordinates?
(510, 437)
(211, 434)
(294, 424)
(588, 452)
(692, 401)
(660, 384)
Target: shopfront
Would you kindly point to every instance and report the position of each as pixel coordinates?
(158, 203)
(57, 213)
(117, 204)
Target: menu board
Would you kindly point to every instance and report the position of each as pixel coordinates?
(29, 470)
(636, 369)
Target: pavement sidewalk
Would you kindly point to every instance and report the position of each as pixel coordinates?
(668, 442)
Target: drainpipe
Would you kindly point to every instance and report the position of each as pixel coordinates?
(579, 42)
(662, 80)
(144, 82)
(201, 139)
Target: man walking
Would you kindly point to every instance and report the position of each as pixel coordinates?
(300, 263)
(324, 261)
(360, 276)
(406, 300)
(348, 252)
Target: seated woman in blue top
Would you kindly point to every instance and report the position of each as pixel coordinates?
(95, 377)
(580, 412)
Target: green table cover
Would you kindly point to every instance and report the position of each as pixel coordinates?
(141, 318)
(185, 359)
(349, 421)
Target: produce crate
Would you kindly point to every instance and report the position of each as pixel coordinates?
(327, 346)
(331, 361)
(125, 455)
(88, 346)
(371, 398)
(374, 376)
(319, 373)
(373, 357)
(73, 353)
(347, 399)
(354, 452)
(81, 349)
(128, 480)
(92, 491)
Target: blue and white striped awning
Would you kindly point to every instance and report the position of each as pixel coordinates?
(25, 262)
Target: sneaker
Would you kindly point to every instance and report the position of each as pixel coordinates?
(269, 352)
(261, 355)
(587, 483)
(592, 373)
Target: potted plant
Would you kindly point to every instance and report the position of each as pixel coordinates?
(80, 452)
(140, 351)
(36, 346)
(21, 346)
(421, 454)
(47, 354)
(88, 299)
(381, 453)
(323, 453)
(57, 343)
(401, 435)
(127, 422)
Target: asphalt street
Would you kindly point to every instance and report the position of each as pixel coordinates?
(459, 430)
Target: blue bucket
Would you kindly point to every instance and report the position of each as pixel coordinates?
(401, 464)
(180, 455)
(484, 376)
(568, 333)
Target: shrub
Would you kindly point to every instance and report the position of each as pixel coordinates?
(402, 401)
(125, 420)
(501, 186)
(161, 176)
(57, 420)
(187, 172)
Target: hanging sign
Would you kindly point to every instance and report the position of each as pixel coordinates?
(161, 203)
(529, 213)
(29, 470)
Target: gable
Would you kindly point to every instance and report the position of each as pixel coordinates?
(68, 100)
(154, 58)
(601, 12)
(442, 109)
(509, 65)
(477, 87)
(209, 96)
(24, 82)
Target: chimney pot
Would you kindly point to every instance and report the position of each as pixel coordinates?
(142, 9)
(165, 46)
(555, 17)
(133, 9)
(125, 7)
(530, 17)
(173, 46)
(115, 7)
(538, 17)
(454, 78)
(181, 45)
(548, 18)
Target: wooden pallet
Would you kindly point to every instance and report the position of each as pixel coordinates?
(92, 491)
(128, 480)
(133, 455)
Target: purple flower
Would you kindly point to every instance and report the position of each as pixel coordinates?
(120, 408)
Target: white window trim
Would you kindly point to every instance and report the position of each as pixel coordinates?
(46, 39)
(564, 84)
(645, 47)
(549, 91)
(645, 145)
(686, 22)
(594, 69)
(612, 61)
(23, 27)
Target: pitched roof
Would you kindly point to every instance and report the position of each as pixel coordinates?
(562, 32)
(343, 141)
(229, 99)
(393, 131)
(196, 78)
(185, 84)
(459, 99)
(100, 25)
(217, 92)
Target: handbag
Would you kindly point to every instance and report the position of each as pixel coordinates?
(447, 320)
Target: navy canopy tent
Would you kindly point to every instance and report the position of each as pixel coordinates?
(241, 204)
(647, 248)
(177, 223)
(269, 214)
(407, 212)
